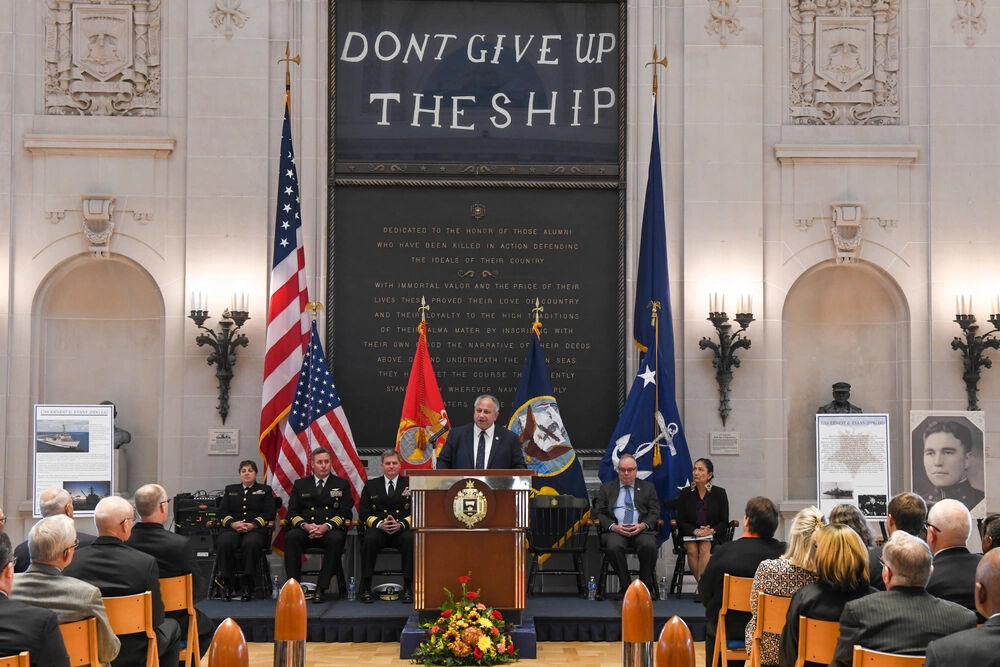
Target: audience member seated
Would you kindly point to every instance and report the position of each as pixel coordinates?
(949, 526)
(52, 502)
(842, 567)
(991, 532)
(384, 510)
(702, 511)
(24, 627)
(3, 520)
(118, 569)
(174, 557)
(784, 576)
(319, 510)
(246, 510)
(907, 512)
(53, 542)
(904, 618)
(627, 510)
(739, 558)
(851, 516)
(979, 646)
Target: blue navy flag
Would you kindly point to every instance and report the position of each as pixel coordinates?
(544, 439)
(649, 426)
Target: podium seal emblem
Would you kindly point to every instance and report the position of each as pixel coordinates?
(470, 504)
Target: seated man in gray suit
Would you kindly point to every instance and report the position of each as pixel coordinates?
(949, 525)
(52, 502)
(979, 646)
(52, 542)
(904, 618)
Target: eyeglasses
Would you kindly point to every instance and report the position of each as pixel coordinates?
(3, 519)
(165, 502)
(76, 543)
(884, 564)
(627, 469)
(931, 525)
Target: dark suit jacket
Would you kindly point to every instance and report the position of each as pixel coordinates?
(739, 558)
(332, 506)
(717, 506)
(954, 577)
(979, 647)
(23, 556)
(27, 628)
(875, 567)
(118, 569)
(376, 504)
(459, 451)
(647, 505)
(903, 620)
(818, 601)
(256, 506)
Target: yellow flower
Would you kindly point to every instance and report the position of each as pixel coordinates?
(474, 616)
(451, 636)
(484, 643)
(485, 623)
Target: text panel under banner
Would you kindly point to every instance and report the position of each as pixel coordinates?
(480, 278)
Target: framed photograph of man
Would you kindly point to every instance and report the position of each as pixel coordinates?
(947, 456)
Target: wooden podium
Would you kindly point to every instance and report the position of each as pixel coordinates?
(470, 522)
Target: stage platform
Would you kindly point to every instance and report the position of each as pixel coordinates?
(556, 618)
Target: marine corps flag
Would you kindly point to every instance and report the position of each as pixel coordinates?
(544, 439)
(423, 424)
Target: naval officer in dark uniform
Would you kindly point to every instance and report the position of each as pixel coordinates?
(246, 509)
(385, 512)
(319, 510)
(947, 454)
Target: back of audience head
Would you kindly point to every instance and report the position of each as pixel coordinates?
(50, 538)
(6, 564)
(988, 584)
(907, 512)
(55, 501)
(148, 499)
(949, 524)
(906, 561)
(761, 517)
(802, 536)
(114, 517)
(841, 558)
(991, 533)
(850, 516)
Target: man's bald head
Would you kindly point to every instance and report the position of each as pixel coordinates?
(988, 584)
(55, 501)
(114, 517)
(147, 501)
(950, 525)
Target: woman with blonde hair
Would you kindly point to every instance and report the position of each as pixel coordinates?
(842, 566)
(784, 576)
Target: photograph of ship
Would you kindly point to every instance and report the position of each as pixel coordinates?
(833, 490)
(86, 494)
(62, 436)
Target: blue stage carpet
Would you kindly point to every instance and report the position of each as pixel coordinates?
(557, 618)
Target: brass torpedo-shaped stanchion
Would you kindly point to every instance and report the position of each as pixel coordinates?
(290, 626)
(637, 626)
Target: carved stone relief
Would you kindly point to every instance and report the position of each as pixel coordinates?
(844, 62)
(226, 15)
(969, 19)
(722, 20)
(102, 57)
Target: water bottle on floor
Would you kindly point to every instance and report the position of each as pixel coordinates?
(274, 588)
(352, 589)
(664, 588)
(592, 589)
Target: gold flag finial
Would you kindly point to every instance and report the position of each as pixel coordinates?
(288, 59)
(537, 310)
(654, 62)
(315, 307)
(423, 309)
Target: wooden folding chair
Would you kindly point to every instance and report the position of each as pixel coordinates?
(80, 638)
(817, 641)
(178, 595)
(735, 597)
(864, 657)
(22, 659)
(771, 612)
(129, 614)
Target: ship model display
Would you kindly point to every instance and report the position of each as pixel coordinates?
(62, 440)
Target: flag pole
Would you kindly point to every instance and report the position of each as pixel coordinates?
(297, 60)
(537, 326)
(654, 62)
(655, 321)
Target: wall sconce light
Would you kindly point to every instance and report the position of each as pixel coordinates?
(224, 342)
(725, 350)
(973, 346)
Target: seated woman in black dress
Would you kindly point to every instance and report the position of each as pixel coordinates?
(703, 512)
(246, 509)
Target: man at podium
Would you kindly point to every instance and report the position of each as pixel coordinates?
(483, 444)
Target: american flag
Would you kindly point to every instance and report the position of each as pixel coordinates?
(317, 418)
(287, 327)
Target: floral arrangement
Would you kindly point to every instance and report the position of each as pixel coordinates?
(467, 632)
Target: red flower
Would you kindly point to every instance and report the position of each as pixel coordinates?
(493, 631)
(497, 615)
(471, 595)
(464, 579)
(436, 629)
(446, 613)
(510, 649)
(476, 652)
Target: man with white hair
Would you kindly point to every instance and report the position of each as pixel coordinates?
(52, 502)
(52, 541)
(904, 618)
(118, 569)
(949, 525)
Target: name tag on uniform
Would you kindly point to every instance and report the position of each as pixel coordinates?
(258, 492)
(336, 493)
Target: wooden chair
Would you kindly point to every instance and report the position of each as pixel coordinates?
(817, 641)
(771, 613)
(129, 614)
(80, 638)
(559, 524)
(22, 659)
(866, 657)
(735, 597)
(178, 595)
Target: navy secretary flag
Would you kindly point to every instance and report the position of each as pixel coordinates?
(537, 422)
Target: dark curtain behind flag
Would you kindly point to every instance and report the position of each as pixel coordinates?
(649, 426)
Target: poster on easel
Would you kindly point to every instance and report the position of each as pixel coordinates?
(74, 450)
(852, 462)
(948, 457)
